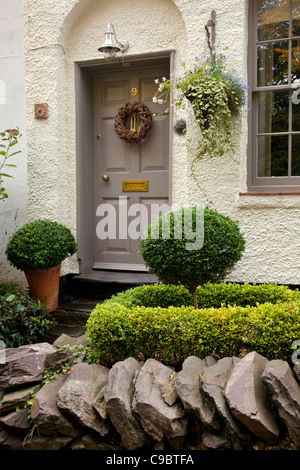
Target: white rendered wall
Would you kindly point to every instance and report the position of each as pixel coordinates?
(61, 32)
(13, 211)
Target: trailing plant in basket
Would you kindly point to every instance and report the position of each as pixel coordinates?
(215, 94)
(39, 245)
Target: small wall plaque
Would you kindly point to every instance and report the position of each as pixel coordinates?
(135, 185)
(41, 111)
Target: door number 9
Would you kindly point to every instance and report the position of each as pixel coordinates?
(134, 91)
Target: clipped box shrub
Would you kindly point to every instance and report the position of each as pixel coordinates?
(119, 328)
(39, 245)
(154, 295)
(171, 335)
(192, 246)
(216, 295)
(209, 295)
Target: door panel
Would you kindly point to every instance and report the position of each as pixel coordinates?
(115, 92)
(154, 157)
(114, 157)
(127, 213)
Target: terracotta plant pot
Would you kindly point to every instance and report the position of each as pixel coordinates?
(44, 285)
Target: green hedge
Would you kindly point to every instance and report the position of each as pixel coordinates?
(155, 295)
(243, 295)
(209, 295)
(119, 329)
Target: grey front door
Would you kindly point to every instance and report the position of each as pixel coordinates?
(129, 179)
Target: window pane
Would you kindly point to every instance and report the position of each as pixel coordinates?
(296, 60)
(296, 17)
(273, 112)
(272, 63)
(296, 155)
(273, 156)
(296, 110)
(272, 19)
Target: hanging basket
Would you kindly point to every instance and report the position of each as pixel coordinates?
(203, 116)
(145, 120)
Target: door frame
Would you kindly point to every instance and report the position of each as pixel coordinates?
(85, 138)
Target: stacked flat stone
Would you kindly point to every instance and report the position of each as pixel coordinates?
(235, 403)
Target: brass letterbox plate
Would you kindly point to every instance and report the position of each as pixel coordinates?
(135, 185)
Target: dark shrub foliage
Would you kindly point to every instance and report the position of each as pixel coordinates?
(21, 319)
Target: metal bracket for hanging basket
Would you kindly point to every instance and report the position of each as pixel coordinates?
(211, 35)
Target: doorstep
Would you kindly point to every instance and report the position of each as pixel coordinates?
(102, 284)
(118, 277)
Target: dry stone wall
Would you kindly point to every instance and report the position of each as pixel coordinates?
(230, 403)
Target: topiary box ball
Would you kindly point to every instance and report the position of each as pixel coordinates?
(169, 257)
(40, 244)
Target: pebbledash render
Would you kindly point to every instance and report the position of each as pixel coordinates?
(67, 95)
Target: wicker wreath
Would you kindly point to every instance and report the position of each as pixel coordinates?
(145, 122)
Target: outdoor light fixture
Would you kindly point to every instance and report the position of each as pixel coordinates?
(110, 49)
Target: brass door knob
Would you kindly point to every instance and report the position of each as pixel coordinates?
(105, 177)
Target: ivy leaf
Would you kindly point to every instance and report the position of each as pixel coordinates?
(10, 298)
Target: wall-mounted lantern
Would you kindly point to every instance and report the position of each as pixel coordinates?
(109, 49)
